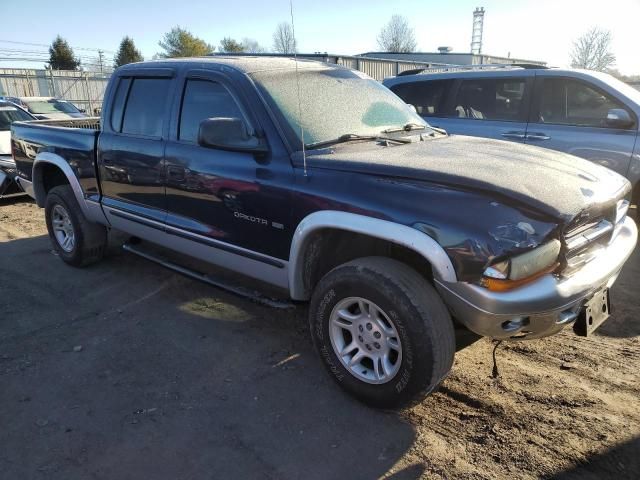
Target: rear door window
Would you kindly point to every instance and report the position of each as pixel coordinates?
(204, 99)
(429, 97)
(570, 102)
(144, 112)
(492, 99)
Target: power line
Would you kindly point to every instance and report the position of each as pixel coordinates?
(45, 45)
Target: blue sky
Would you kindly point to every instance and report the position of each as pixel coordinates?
(542, 29)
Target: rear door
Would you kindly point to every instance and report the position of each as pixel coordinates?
(495, 107)
(131, 145)
(570, 115)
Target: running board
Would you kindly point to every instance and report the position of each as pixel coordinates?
(239, 291)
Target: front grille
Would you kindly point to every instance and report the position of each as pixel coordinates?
(584, 240)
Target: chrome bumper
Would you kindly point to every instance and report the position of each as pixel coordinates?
(545, 306)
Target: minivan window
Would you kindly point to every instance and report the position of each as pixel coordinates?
(570, 102)
(491, 99)
(144, 112)
(204, 99)
(429, 97)
(10, 114)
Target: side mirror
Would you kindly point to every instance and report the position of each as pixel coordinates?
(619, 118)
(412, 108)
(82, 110)
(229, 134)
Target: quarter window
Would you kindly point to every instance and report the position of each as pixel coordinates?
(204, 99)
(428, 97)
(144, 112)
(569, 102)
(491, 99)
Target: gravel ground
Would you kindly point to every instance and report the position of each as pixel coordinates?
(126, 370)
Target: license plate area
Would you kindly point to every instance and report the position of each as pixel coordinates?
(593, 314)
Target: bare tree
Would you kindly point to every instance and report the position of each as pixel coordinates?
(397, 36)
(252, 46)
(283, 39)
(593, 51)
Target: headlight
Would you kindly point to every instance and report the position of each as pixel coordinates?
(521, 269)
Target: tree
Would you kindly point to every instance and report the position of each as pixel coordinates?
(127, 53)
(182, 43)
(252, 46)
(593, 51)
(229, 45)
(283, 39)
(61, 56)
(397, 36)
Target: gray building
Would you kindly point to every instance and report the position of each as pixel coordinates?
(451, 58)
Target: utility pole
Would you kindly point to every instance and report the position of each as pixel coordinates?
(100, 54)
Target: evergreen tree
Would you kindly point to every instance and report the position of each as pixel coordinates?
(127, 53)
(182, 43)
(229, 45)
(61, 56)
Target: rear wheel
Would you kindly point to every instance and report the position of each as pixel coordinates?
(382, 331)
(76, 240)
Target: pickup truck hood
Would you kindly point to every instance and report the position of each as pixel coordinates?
(554, 183)
(5, 142)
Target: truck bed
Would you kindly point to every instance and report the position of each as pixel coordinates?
(74, 140)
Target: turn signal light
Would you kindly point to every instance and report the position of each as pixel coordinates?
(499, 285)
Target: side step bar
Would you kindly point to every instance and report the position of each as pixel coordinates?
(239, 291)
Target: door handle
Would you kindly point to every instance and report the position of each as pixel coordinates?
(176, 173)
(537, 136)
(518, 135)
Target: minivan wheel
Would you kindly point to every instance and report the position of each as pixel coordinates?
(382, 331)
(76, 240)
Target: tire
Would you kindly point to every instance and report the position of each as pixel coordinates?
(89, 239)
(404, 301)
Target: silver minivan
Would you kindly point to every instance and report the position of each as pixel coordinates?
(588, 114)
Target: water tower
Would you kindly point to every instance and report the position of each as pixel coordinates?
(476, 35)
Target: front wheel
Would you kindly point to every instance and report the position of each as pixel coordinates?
(382, 331)
(76, 240)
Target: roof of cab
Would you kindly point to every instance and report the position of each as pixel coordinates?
(245, 64)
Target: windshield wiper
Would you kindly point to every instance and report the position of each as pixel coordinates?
(348, 137)
(407, 127)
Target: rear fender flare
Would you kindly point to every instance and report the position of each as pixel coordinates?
(374, 227)
(38, 182)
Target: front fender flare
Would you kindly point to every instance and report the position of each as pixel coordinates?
(374, 227)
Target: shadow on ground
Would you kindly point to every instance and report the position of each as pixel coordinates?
(125, 370)
(622, 461)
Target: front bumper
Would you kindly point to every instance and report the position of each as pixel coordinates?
(544, 306)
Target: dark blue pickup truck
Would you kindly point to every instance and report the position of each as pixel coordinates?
(319, 181)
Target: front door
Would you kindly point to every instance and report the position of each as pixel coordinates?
(236, 202)
(570, 115)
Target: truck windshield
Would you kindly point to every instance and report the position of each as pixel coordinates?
(334, 103)
(10, 114)
(51, 106)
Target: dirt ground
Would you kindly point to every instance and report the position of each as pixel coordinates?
(126, 370)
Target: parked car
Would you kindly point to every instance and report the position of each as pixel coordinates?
(588, 114)
(44, 108)
(9, 113)
(393, 231)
